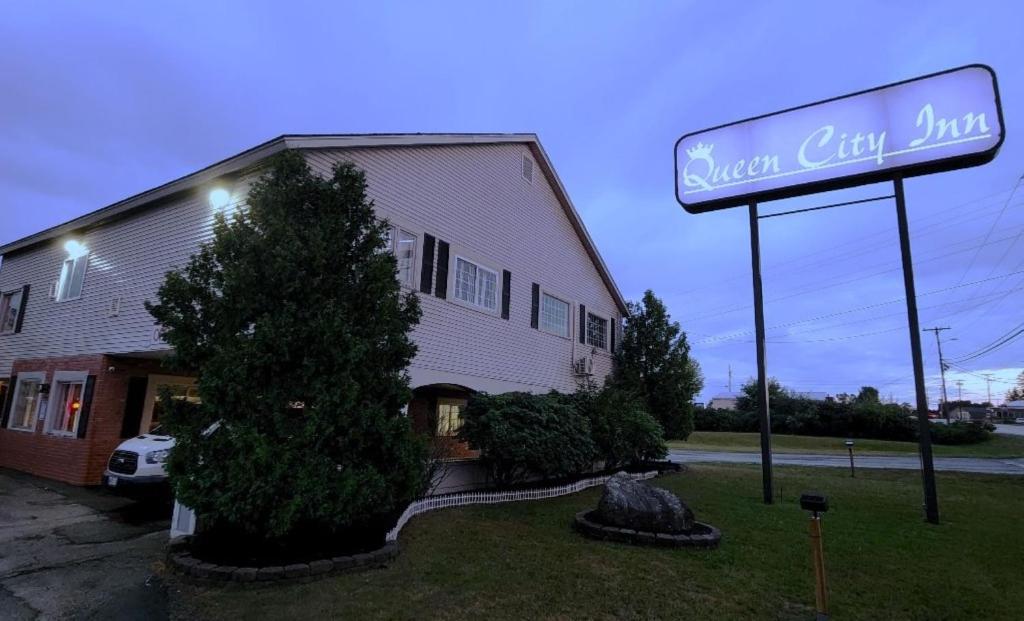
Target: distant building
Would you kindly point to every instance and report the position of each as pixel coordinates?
(723, 402)
(1012, 409)
(969, 412)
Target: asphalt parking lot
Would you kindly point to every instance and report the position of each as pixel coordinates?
(74, 553)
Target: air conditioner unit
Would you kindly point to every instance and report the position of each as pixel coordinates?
(583, 366)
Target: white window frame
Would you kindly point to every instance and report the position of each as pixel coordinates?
(394, 234)
(607, 326)
(64, 377)
(15, 391)
(453, 289)
(67, 271)
(6, 307)
(461, 403)
(568, 314)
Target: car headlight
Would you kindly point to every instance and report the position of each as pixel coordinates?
(157, 457)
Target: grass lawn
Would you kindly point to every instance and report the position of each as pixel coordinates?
(1000, 445)
(522, 560)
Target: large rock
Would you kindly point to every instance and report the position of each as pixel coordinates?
(633, 504)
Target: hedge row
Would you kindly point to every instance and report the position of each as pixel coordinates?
(875, 421)
(524, 436)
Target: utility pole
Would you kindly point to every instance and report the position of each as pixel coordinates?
(730, 380)
(942, 369)
(988, 381)
(959, 390)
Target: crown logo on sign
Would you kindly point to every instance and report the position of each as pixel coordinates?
(701, 151)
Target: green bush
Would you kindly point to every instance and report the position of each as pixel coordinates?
(622, 430)
(706, 419)
(522, 435)
(961, 432)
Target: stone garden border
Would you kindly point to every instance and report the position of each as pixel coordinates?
(201, 572)
(702, 536)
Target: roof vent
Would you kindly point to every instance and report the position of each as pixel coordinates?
(527, 168)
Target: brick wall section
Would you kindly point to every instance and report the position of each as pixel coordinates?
(79, 461)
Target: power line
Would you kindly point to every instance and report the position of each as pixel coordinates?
(1008, 338)
(721, 310)
(868, 306)
(992, 228)
(861, 249)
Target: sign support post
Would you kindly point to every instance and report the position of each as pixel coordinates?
(930, 124)
(763, 412)
(931, 503)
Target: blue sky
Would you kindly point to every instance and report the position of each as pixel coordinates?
(108, 99)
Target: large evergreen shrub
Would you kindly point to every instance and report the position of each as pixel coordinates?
(294, 322)
(653, 362)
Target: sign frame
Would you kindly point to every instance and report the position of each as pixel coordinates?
(945, 164)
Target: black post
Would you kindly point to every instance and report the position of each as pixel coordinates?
(931, 502)
(762, 371)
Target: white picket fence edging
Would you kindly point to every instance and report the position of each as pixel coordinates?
(430, 503)
(184, 520)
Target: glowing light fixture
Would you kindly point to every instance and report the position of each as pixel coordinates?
(75, 249)
(219, 198)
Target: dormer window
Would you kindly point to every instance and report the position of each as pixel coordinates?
(72, 273)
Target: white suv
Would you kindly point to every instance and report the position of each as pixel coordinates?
(136, 468)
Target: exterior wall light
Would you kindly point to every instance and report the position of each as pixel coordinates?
(75, 249)
(220, 198)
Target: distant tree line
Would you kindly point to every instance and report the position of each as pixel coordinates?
(861, 416)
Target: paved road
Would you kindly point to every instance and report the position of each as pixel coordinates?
(954, 464)
(1012, 430)
(74, 553)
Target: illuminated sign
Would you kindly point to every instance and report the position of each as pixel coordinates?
(930, 124)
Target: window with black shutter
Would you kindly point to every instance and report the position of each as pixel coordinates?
(583, 324)
(506, 292)
(535, 306)
(427, 270)
(441, 290)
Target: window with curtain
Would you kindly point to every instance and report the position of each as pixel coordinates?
(67, 406)
(25, 406)
(449, 416)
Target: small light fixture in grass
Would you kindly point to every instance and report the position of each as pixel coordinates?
(849, 447)
(817, 504)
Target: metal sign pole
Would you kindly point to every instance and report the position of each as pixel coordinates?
(931, 503)
(762, 371)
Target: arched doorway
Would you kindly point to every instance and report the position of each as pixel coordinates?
(436, 411)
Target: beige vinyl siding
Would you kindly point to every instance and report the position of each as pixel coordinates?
(127, 258)
(471, 196)
(476, 199)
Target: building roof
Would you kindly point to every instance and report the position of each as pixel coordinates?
(249, 157)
